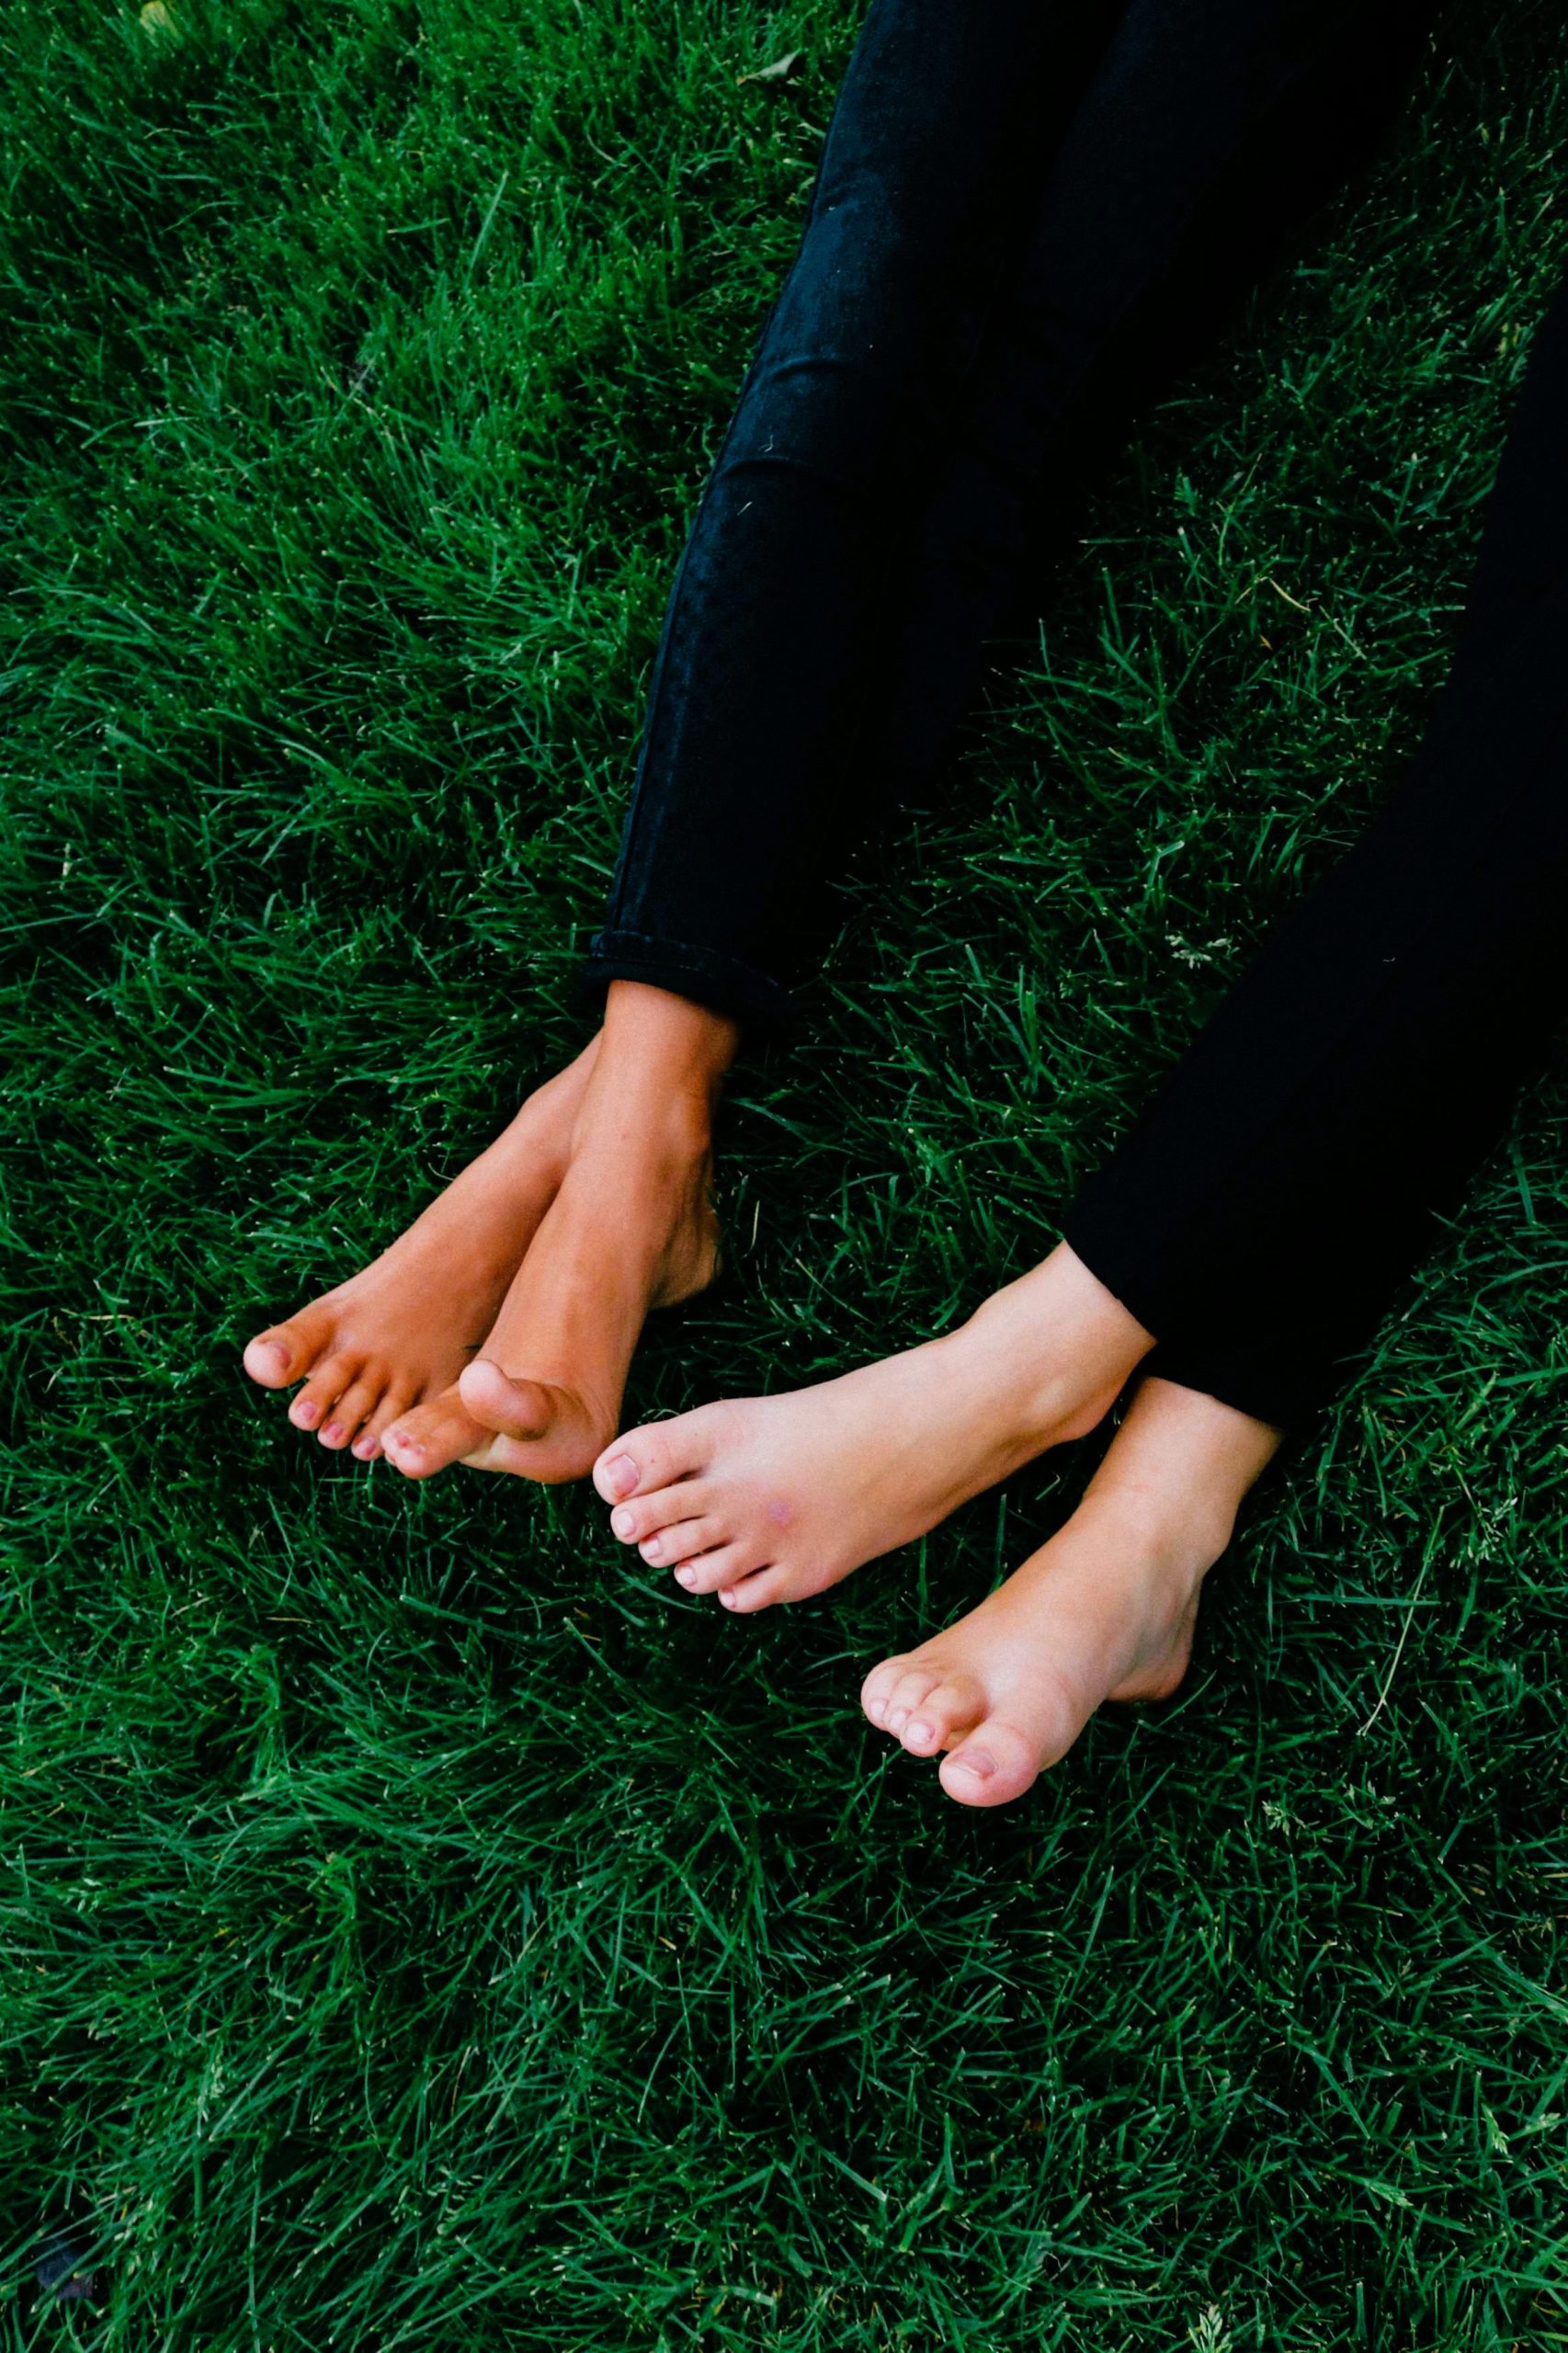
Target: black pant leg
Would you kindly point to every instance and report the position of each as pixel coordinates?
(1209, 135)
(944, 338)
(1259, 1219)
(748, 785)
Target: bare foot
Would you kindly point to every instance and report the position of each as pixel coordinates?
(1105, 1611)
(631, 1228)
(403, 1327)
(767, 1499)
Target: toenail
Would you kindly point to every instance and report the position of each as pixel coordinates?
(687, 1578)
(651, 1550)
(304, 1414)
(978, 1761)
(364, 1447)
(620, 1475)
(898, 1719)
(728, 1598)
(918, 1730)
(624, 1522)
(332, 1430)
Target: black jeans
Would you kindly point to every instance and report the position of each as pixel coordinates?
(1023, 217)
(1024, 211)
(1261, 1215)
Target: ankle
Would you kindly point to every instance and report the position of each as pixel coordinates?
(665, 1043)
(644, 1120)
(1065, 1346)
(1181, 1465)
(1174, 1532)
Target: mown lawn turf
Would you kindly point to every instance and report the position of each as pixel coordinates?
(422, 1926)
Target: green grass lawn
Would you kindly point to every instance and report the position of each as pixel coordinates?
(422, 1926)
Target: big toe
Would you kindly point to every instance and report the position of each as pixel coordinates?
(654, 1456)
(285, 1352)
(996, 1764)
(443, 1431)
(499, 1402)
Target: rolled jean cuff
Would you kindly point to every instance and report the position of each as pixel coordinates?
(725, 985)
(1247, 1374)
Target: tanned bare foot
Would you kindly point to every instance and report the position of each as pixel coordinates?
(403, 1327)
(631, 1228)
(1105, 1611)
(767, 1499)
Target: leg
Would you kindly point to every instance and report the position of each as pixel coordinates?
(943, 126)
(1016, 230)
(1210, 134)
(1146, 215)
(1262, 1215)
(919, 196)
(750, 778)
(1105, 1611)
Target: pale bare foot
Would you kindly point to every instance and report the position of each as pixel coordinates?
(767, 1499)
(631, 1228)
(1105, 1611)
(403, 1327)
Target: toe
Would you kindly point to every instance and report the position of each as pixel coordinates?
(943, 1715)
(325, 1386)
(712, 1572)
(683, 1540)
(907, 1694)
(286, 1352)
(997, 1763)
(270, 1358)
(688, 1499)
(368, 1444)
(756, 1591)
(503, 1402)
(357, 1404)
(442, 1430)
(652, 1457)
(878, 1688)
(435, 1434)
(564, 1449)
